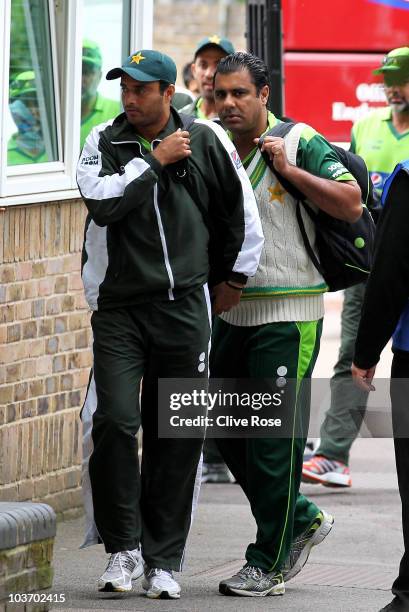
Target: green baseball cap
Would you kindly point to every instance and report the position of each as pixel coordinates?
(146, 65)
(395, 66)
(91, 53)
(216, 41)
(23, 84)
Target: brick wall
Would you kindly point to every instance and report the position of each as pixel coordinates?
(44, 356)
(179, 25)
(26, 568)
(44, 322)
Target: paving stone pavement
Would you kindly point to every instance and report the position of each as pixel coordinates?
(351, 571)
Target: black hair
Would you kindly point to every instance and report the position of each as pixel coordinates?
(245, 61)
(187, 74)
(163, 85)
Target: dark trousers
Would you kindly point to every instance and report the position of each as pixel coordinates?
(158, 340)
(400, 418)
(348, 403)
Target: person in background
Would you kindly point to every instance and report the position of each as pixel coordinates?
(189, 80)
(95, 109)
(26, 146)
(382, 140)
(184, 96)
(385, 313)
(209, 52)
(181, 97)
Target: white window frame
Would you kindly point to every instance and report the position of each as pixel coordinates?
(45, 182)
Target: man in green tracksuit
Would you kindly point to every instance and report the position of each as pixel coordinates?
(274, 332)
(382, 140)
(145, 270)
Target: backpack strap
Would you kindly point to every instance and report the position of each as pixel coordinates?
(280, 130)
(292, 133)
(292, 141)
(306, 241)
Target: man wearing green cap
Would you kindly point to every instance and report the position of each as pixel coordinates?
(209, 52)
(382, 139)
(145, 270)
(94, 108)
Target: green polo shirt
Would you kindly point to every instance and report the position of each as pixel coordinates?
(103, 110)
(379, 143)
(198, 109)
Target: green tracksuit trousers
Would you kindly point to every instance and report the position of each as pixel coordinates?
(269, 469)
(154, 507)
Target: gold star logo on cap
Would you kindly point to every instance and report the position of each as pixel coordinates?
(215, 39)
(137, 58)
(276, 193)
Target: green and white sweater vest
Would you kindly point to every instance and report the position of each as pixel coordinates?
(287, 286)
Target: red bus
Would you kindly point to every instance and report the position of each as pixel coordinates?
(330, 50)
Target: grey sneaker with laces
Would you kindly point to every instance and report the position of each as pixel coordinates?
(160, 584)
(301, 547)
(252, 581)
(122, 568)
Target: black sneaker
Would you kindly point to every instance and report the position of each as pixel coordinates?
(396, 605)
(252, 581)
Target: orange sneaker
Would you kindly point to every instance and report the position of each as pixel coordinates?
(330, 473)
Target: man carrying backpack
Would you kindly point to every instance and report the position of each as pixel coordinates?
(274, 332)
(382, 140)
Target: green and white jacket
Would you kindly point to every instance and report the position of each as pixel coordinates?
(287, 286)
(145, 237)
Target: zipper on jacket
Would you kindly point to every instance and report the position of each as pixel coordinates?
(163, 241)
(158, 217)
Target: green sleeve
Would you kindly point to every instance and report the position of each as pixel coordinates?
(315, 155)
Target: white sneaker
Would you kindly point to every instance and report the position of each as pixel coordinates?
(159, 584)
(122, 568)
